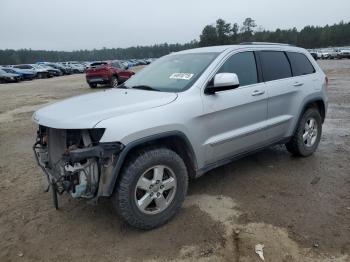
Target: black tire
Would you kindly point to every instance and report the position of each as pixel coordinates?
(40, 75)
(92, 85)
(296, 145)
(114, 82)
(124, 197)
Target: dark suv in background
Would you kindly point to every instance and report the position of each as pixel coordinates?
(107, 72)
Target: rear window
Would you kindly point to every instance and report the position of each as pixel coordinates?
(301, 65)
(275, 65)
(98, 64)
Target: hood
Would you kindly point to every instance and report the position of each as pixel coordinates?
(87, 110)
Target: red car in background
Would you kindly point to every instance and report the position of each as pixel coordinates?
(107, 72)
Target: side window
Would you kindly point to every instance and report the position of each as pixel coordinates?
(242, 64)
(301, 65)
(275, 65)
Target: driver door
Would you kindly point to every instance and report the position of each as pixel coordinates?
(235, 120)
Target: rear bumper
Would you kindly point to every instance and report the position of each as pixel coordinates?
(98, 79)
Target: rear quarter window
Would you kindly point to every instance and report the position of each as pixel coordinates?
(275, 65)
(301, 65)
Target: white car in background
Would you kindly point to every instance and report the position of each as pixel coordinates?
(344, 53)
(325, 54)
(76, 67)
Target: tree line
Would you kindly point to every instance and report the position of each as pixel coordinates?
(222, 33)
(26, 56)
(219, 33)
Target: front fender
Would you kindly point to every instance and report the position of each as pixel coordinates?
(107, 188)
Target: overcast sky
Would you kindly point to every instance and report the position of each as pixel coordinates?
(88, 24)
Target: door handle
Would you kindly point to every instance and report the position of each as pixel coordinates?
(298, 84)
(258, 93)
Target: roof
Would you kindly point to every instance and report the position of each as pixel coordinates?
(222, 48)
(209, 49)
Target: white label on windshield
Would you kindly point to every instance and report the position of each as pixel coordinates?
(183, 76)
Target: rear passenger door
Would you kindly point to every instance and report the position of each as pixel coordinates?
(235, 119)
(285, 91)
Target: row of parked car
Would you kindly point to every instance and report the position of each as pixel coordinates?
(330, 53)
(16, 73)
(136, 62)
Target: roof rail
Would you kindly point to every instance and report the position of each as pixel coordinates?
(264, 43)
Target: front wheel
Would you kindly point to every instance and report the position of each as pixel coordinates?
(307, 135)
(152, 188)
(92, 85)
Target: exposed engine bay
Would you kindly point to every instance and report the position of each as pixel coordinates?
(74, 160)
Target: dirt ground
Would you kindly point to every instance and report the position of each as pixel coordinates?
(299, 209)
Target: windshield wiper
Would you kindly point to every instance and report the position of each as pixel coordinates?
(144, 87)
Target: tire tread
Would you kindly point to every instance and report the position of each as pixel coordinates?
(131, 168)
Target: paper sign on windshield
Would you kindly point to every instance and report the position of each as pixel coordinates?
(183, 76)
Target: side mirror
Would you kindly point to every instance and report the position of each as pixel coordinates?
(222, 82)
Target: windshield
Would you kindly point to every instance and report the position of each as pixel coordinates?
(174, 73)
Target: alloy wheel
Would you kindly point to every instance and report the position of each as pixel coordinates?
(310, 132)
(155, 189)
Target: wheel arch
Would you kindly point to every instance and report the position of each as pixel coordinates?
(174, 140)
(316, 103)
(312, 103)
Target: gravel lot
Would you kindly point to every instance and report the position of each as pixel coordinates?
(298, 208)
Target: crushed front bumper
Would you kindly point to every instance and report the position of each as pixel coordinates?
(81, 171)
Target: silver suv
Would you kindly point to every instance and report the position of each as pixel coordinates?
(186, 113)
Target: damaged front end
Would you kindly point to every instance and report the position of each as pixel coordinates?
(74, 161)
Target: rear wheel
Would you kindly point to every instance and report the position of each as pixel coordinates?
(152, 188)
(92, 85)
(114, 81)
(308, 134)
